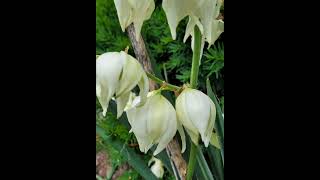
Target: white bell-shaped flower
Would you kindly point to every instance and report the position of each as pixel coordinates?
(117, 73)
(134, 11)
(157, 167)
(197, 113)
(176, 10)
(202, 13)
(153, 123)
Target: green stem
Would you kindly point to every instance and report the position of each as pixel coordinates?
(193, 84)
(192, 161)
(157, 80)
(195, 58)
(207, 175)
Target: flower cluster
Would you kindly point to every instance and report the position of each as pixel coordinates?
(152, 117)
(201, 13)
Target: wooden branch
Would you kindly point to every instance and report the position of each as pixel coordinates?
(103, 164)
(174, 152)
(141, 54)
(173, 148)
(120, 171)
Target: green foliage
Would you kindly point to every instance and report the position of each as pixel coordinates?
(131, 174)
(109, 36)
(111, 125)
(214, 60)
(107, 125)
(131, 156)
(113, 129)
(222, 103)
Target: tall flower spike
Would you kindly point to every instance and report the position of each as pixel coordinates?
(134, 11)
(117, 74)
(197, 113)
(153, 123)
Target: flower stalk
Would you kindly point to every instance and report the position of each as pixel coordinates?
(163, 83)
(193, 84)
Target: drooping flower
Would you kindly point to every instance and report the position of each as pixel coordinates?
(153, 123)
(202, 13)
(134, 11)
(117, 73)
(197, 113)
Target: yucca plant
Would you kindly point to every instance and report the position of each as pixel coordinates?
(196, 115)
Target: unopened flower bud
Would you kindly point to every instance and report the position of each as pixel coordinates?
(197, 113)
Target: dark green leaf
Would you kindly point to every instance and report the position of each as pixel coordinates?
(129, 155)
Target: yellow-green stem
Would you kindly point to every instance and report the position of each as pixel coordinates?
(157, 80)
(193, 84)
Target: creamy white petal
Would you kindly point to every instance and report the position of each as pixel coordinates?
(108, 70)
(183, 118)
(129, 104)
(202, 13)
(193, 21)
(125, 13)
(206, 137)
(217, 29)
(182, 135)
(154, 122)
(98, 89)
(182, 112)
(196, 111)
(137, 119)
(121, 103)
(157, 167)
(102, 99)
(171, 126)
(176, 10)
(145, 143)
(206, 13)
(217, 8)
(118, 73)
(142, 10)
(157, 122)
(131, 74)
(134, 11)
(136, 101)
